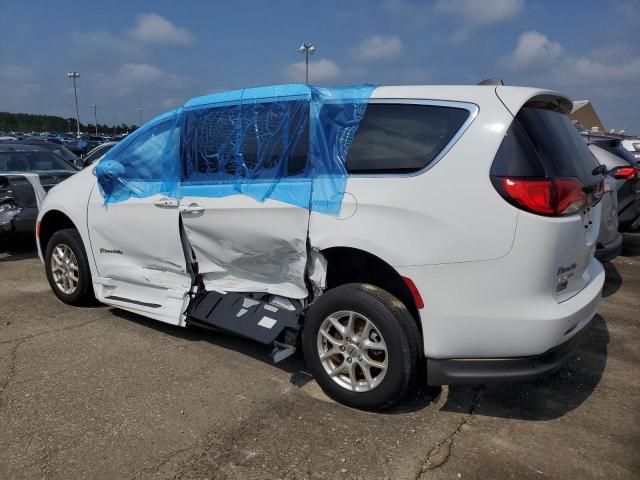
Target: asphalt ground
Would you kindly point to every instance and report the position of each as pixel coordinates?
(101, 393)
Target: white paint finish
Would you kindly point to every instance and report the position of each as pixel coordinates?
(172, 303)
(440, 215)
(504, 307)
(148, 237)
(151, 267)
(243, 245)
(515, 97)
(71, 197)
(486, 271)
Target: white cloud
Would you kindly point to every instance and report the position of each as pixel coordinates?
(534, 50)
(377, 47)
(152, 28)
(131, 77)
(320, 70)
(544, 61)
(484, 12)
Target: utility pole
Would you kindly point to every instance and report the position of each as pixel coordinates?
(95, 116)
(307, 49)
(140, 115)
(74, 76)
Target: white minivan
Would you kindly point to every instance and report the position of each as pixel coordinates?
(381, 229)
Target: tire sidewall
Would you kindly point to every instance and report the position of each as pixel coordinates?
(398, 370)
(70, 238)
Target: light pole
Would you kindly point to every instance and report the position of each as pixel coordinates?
(140, 114)
(74, 76)
(307, 49)
(95, 116)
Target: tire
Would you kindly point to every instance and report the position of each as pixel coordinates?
(70, 239)
(389, 319)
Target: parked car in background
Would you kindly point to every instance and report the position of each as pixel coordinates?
(613, 145)
(628, 187)
(610, 239)
(496, 283)
(97, 153)
(57, 148)
(632, 145)
(27, 172)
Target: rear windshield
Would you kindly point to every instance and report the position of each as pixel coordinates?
(402, 138)
(559, 145)
(32, 161)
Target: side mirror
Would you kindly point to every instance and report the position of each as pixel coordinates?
(109, 174)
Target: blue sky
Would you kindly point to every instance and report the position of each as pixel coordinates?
(155, 55)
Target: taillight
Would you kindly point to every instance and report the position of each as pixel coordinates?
(624, 173)
(549, 196)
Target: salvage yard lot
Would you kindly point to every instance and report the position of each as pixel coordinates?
(101, 393)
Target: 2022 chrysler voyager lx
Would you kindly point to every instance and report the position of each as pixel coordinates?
(382, 229)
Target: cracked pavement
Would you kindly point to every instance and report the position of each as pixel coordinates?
(100, 393)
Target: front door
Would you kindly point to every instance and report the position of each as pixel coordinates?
(135, 232)
(139, 256)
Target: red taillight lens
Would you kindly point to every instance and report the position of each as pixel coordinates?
(625, 173)
(549, 196)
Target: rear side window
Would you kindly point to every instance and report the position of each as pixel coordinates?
(558, 144)
(401, 138)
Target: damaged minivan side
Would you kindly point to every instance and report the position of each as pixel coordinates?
(327, 219)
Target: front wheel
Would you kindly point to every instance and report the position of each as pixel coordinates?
(362, 345)
(68, 268)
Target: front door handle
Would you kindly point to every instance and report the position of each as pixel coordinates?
(192, 208)
(166, 203)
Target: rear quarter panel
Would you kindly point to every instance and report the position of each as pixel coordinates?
(448, 213)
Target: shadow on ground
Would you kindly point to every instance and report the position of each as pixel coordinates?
(420, 398)
(19, 248)
(548, 397)
(613, 280)
(631, 245)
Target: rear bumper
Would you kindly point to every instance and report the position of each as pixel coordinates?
(610, 250)
(463, 371)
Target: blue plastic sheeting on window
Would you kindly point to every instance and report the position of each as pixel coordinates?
(253, 147)
(335, 116)
(286, 142)
(145, 163)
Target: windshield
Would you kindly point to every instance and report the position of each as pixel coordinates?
(34, 161)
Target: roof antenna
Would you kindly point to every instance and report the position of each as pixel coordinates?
(491, 81)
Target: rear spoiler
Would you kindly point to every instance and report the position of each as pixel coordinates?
(514, 98)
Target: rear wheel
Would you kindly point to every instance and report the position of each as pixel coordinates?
(68, 269)
(362, 345)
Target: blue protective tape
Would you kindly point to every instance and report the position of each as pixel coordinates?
(284, 142)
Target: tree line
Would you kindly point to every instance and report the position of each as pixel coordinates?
(28, 122)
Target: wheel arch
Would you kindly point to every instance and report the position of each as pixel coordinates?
(353, 265)
(50, 223)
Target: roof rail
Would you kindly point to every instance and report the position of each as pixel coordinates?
(491, 81)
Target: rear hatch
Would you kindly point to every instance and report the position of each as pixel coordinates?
(545, 168)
